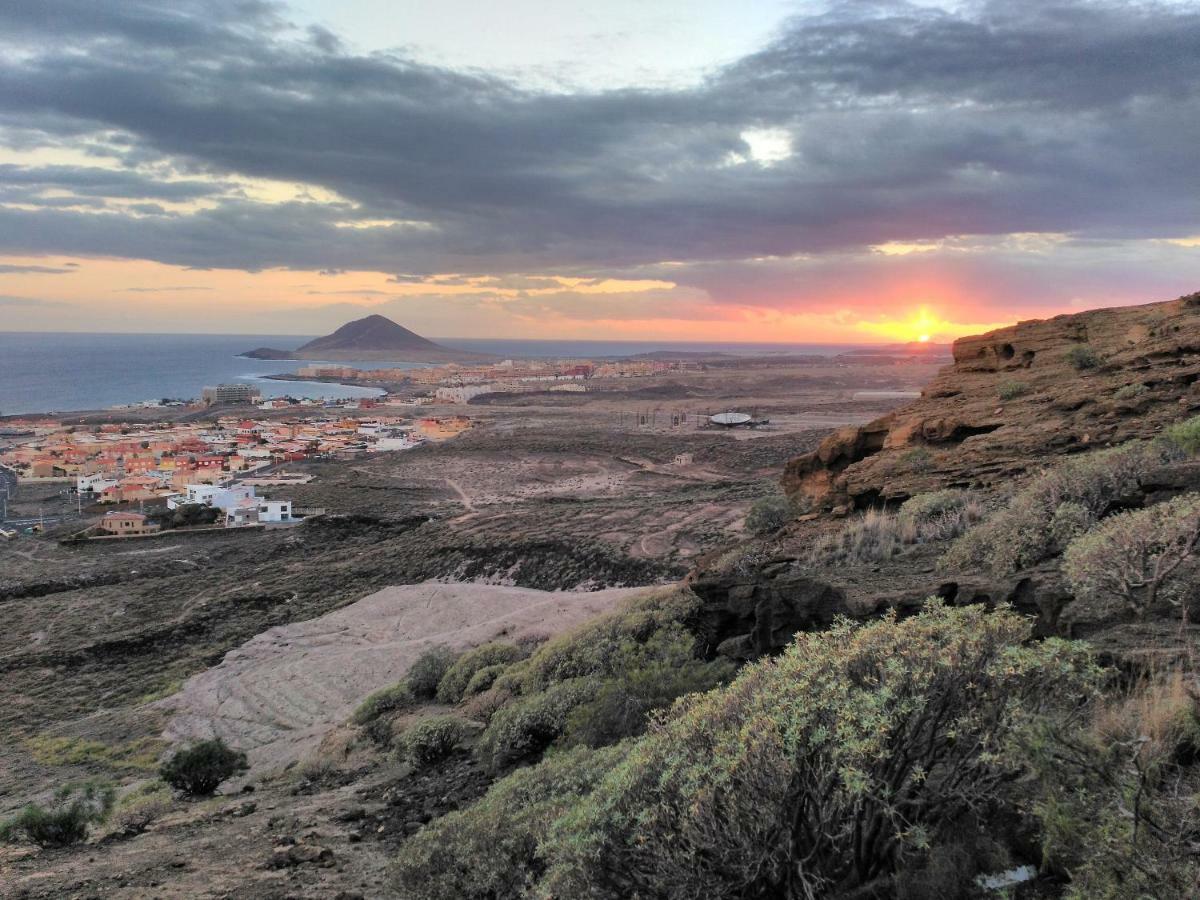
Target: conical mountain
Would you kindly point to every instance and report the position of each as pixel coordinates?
(374, 333)
(373, 338)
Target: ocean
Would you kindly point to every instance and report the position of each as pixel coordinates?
(60, 372)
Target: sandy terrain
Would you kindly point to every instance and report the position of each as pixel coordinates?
(279, 693)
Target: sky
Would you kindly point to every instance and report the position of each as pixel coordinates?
(762, 170)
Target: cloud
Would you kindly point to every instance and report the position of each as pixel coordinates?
(15, 269)
(867, 124)
(29, 182)
(169, 287)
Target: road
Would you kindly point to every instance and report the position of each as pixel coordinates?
(27, 521)
(8, 486)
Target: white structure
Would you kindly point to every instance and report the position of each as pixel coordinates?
(94, 484)
(240, 503)
(214, 495)
(403, 442)
(259, 511)
(729, 419)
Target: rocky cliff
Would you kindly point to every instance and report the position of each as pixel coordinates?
(1012, 399)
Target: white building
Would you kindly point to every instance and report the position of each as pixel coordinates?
(94, 484)
(259, 511)
(214, 495)
(240, 503)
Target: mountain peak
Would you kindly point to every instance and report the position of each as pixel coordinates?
(373, 333)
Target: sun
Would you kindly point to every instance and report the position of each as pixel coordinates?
(924, 339)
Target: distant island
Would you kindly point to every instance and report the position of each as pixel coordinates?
(373, 338)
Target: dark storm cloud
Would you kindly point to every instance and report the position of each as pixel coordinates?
(28, 182)
(906, 123)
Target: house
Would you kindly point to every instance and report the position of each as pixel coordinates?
(216, 496)
(94, 483)
(125, 524)
(259, 511)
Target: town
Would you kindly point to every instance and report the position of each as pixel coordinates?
(147, 475)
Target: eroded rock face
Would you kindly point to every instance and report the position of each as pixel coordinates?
(1013, 399)
(745, 615)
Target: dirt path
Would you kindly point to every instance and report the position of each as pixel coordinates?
(280, 692)
(462, 495)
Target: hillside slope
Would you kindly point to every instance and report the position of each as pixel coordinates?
(1012, 400)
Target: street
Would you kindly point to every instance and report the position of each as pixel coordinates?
(8, 486)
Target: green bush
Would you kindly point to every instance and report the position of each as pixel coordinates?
(768, 515)
(484, 679)
(453, 684)
(1082, 356)
(190, 515)
(854, 752)
(390, 699)
(198, 771)
(530, 724)
(1020, 535)
(918, 459)
(490, 851)
(1011, 390)
(1070, 520)
(1185, 436)
(74, 810)
(428, 670)
(595, 648)
(431, 740)
(1130, 392)
(930, 507)
(1139, 558)
(649, 677)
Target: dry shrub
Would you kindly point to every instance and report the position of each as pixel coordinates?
(318, 770)
(1139, 558)
(482, 707)
(877, 535)
(1162, 716)
(1021, 534)
(140, 808)
(1115, 793)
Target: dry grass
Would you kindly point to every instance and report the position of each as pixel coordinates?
(877, 535)
(1163, 713)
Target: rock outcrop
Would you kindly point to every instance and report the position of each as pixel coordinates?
(747, 614)
(1013, 399)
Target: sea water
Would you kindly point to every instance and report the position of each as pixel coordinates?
(59, 372)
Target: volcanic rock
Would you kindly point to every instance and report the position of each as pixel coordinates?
(1012, 401)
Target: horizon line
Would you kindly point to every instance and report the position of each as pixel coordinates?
(438, 338)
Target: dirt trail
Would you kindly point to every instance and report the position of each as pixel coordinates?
(280, 692)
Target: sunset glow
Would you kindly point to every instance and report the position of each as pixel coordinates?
(235, 177)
